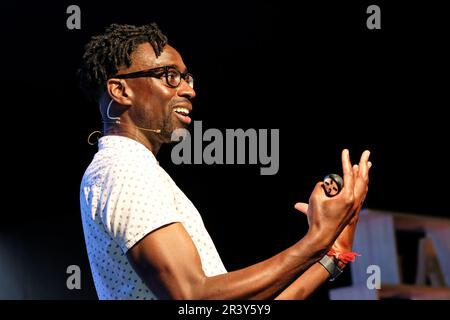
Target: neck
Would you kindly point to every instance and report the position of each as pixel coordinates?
(134, 133)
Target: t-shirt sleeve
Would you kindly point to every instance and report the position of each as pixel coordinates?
(138, 201)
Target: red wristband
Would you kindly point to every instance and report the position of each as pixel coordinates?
(344, 257)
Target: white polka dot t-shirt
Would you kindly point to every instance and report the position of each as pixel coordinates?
(125, 195)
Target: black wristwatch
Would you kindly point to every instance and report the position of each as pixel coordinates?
(331, 266)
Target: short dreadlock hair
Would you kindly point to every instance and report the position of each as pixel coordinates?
(106, 53)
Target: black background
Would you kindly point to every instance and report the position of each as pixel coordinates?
(312, 70)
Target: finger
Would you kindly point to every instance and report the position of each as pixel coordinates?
(355, 170)
(363, 164)
(369, 166)
(347, 170)
(302, 207)
(318, 192)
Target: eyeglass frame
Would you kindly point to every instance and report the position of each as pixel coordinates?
(156, 73)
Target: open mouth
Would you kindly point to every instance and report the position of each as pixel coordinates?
(183, 114)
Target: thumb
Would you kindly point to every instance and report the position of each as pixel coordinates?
(302, 207)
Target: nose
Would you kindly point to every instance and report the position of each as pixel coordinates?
(185, 90)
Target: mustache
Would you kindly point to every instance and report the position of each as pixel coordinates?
(181, 101)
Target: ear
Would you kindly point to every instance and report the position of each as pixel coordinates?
(118, 91)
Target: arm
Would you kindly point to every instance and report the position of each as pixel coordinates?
(315, 276)
(306, 284)
(169, 263)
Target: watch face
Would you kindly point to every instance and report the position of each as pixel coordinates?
(332, 184)
(330, 265)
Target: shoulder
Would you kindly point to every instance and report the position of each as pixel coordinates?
(114, 166)
(132, 170)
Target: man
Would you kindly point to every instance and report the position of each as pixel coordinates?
(145, 239)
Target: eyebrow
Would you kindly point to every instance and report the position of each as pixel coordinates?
(171, 66)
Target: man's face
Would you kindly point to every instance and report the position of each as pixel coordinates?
(155, 105)
(331, 187)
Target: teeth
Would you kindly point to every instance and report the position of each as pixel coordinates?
(184, 111)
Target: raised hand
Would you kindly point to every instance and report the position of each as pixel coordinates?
(337, 216)
(344, 242)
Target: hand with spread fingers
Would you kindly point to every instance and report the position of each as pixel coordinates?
(340, 212)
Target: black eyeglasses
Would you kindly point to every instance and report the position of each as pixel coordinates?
(172, 75)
